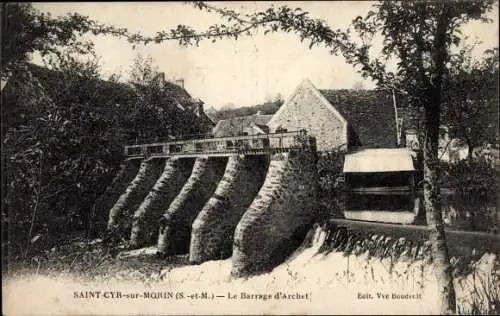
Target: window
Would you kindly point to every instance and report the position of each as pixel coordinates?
(155, 149)
(133, 151)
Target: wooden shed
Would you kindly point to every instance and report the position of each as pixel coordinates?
(381, 186)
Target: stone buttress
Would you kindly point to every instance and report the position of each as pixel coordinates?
(213, 229)
(145, 222)
(128, 170)
(120, 215)
(175, 226)
(278, 219)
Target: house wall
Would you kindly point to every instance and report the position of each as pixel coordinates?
(306, 109)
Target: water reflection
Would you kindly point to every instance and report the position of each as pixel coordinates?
(470, 212)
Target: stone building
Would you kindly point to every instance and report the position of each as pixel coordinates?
(243, 125)
(343, 119)
(373, 129)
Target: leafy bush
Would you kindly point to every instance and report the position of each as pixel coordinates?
(330, 170)
(265, 108)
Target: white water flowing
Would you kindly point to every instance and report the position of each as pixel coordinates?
(311, 282)
(338, 283)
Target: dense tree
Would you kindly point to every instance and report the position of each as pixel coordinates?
(58, 152)
(265, 108)
(471, 99)
(26, 30)
(162, 110)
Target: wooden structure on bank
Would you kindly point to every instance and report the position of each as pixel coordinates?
(380, 186)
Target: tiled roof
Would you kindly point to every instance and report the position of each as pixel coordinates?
(176, 91)
(235, 126)
(205, 120)
(110, 93)
(369, 113)
(262, 127)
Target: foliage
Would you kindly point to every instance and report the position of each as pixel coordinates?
(265, 108)
(472, 206)
(476, 177)
(331, 184)
(27, 30)
(63, 128)
(471, 99)
(161, 109)
(416, 35)
(59, 153)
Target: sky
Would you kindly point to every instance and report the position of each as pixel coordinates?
(243, 72)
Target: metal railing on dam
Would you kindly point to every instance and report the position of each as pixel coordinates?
(262, 144)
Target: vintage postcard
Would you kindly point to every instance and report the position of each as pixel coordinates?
(307, 157)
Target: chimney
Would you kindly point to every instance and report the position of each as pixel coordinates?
(412, 139)
(179, 82)
(161, 76)
(198, 110)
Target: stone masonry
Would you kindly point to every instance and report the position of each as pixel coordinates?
(125, 174)
(278, 219)
(213, 229)
(175, 226)
(145, 222)
(120, 215)
(308, 109)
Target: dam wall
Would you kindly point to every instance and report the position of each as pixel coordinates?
(120, 215)
(213, 229)
(280, 216)
(145, 221)
(175, 225)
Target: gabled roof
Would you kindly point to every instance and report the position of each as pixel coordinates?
(235, 126)
(206, 120)
(306, 84)
(264, 129)
(369, 113)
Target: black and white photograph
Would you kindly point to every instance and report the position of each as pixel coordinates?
(250, 157)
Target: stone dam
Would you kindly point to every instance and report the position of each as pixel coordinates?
(253, 206)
